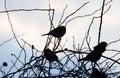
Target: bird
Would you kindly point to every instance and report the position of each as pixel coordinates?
(96, 54)
(97, 74)
(51, 56)
(93, 56)
(57, 32)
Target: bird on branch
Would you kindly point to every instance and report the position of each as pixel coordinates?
(51, 56)
(57, 32)
(96, 54)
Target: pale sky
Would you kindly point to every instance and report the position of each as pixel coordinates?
(36, 23)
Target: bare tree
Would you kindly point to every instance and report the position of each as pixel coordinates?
(41, 65)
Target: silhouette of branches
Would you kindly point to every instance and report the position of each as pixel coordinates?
(10, 39)
(37, 65)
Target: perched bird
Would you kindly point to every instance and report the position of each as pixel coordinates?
(57, 32)
(93, 56)
(97, 74)
(96, 54)
(51, 56)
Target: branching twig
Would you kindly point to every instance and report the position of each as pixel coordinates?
(73, 12)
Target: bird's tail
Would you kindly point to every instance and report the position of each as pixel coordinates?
(45, 34)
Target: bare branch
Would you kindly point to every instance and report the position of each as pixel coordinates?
(12, 25)
(73, 12)
(10, 39)
(17, 10)
(101, 20)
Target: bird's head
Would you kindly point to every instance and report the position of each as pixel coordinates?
(103, 44)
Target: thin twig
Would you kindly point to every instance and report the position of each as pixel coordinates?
(63, 14)
(17, 10)
(10, 39)
(101, 21)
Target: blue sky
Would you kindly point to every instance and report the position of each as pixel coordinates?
(36, 23)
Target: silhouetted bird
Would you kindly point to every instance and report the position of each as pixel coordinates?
(57, 32)
(51, 56)
(97, 74)
(96, 54)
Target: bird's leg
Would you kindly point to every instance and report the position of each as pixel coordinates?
(49, 38)
(56, 43)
